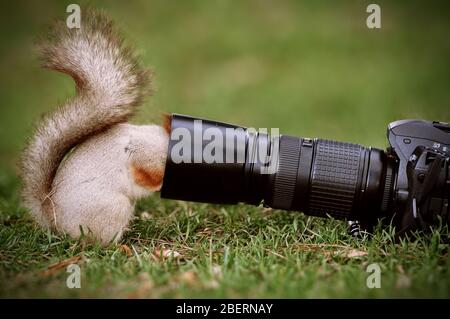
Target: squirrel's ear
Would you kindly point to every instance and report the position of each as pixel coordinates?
(150, 179)
(167, 122)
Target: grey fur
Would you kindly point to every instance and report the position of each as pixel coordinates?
(71, 194)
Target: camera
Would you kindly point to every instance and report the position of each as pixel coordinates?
(407, 185)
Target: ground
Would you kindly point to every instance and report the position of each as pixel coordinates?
(310, 69)
(184, 250)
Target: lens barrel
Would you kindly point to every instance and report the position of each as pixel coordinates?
(319, 177)
(339, 179)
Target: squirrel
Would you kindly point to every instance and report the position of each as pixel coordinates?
(85, 166)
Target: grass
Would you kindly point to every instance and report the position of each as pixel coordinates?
(311, 69)
(177, 249)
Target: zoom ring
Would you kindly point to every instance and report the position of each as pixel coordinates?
(334, 178)
(285, 178)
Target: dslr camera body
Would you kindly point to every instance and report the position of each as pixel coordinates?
(421, 187)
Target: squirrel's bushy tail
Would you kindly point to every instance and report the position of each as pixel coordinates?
(110, 84)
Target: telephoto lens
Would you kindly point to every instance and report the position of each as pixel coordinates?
(408, 184)
(316, 176)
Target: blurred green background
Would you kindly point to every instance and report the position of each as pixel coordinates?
(310, 68)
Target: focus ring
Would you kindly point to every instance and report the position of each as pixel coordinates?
(286, 176)
(334, 178)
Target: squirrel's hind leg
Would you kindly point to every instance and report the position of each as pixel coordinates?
(104, 219)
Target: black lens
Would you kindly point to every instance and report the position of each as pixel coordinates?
(323, 177)
(318, 177)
